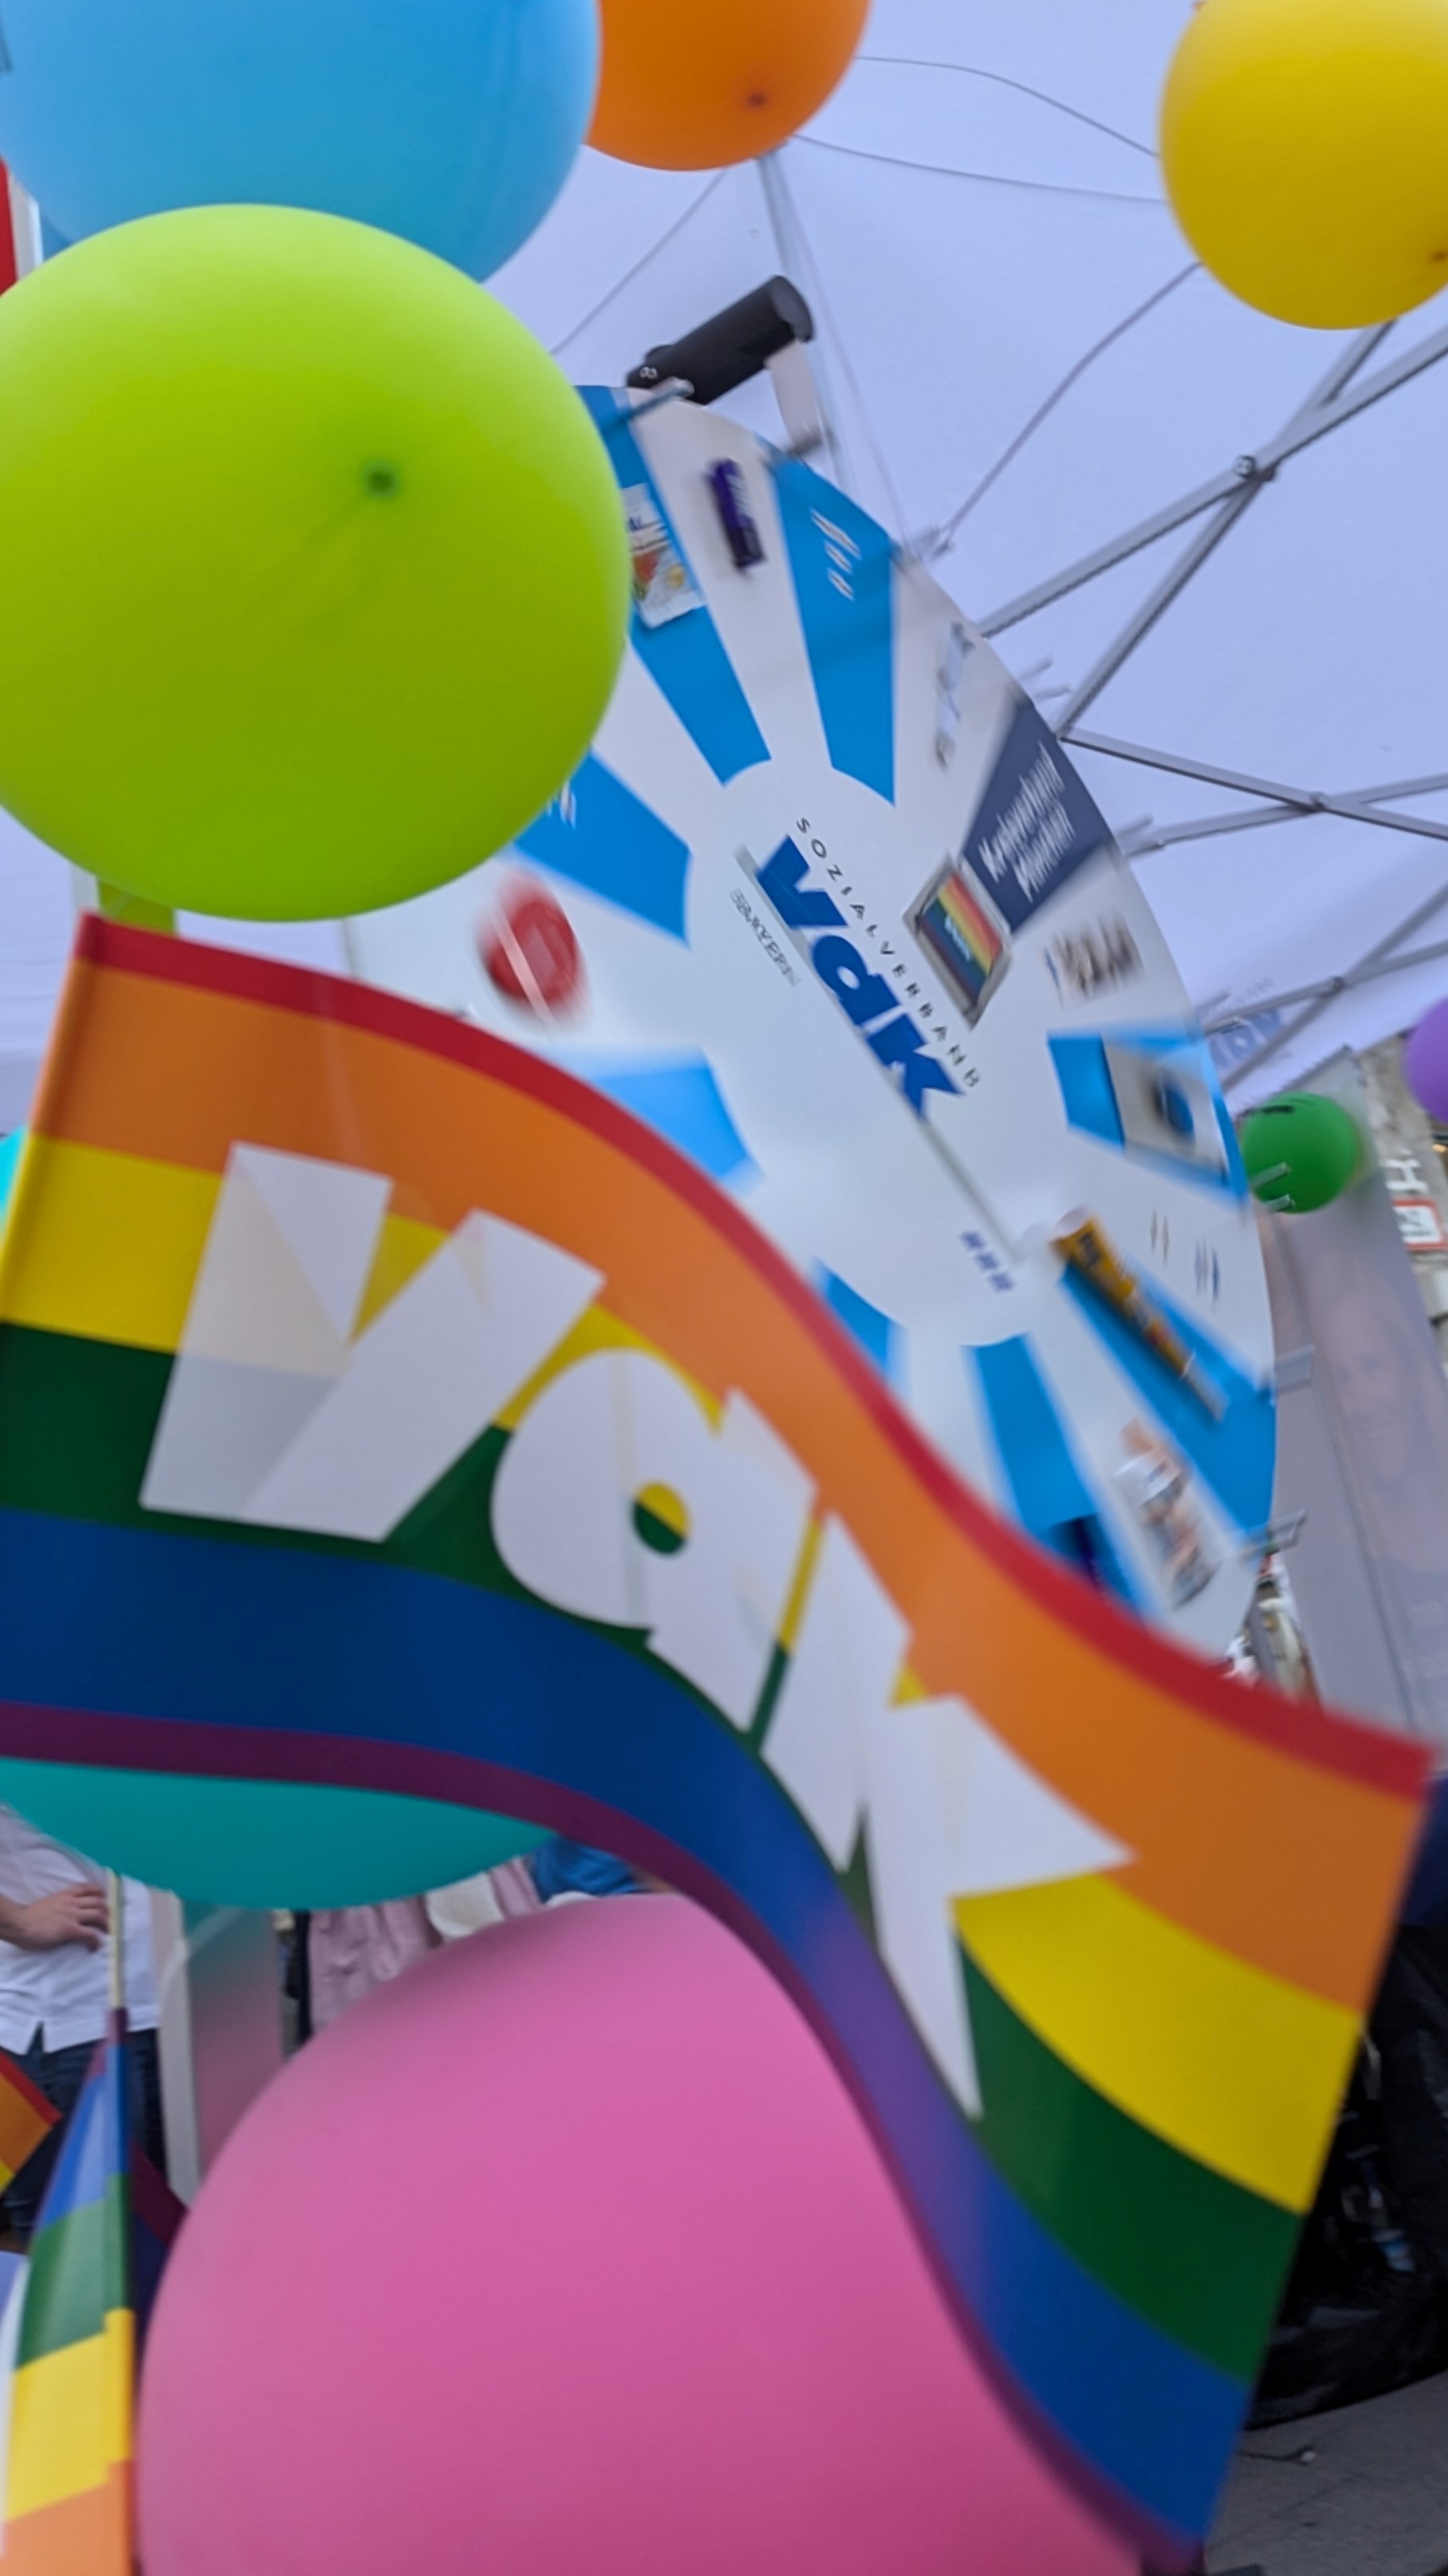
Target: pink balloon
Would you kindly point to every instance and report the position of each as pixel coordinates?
(1425, 1063)
(568, 2251)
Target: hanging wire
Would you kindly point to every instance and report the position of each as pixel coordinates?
(982, 178)
(1002, 80)
(621, 283)
(945, 536)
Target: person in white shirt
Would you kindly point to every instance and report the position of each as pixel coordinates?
(55, 1985)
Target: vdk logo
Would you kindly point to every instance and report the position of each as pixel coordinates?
(865, 997)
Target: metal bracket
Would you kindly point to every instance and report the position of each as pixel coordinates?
(797, 393)
(1276, 1537)
(674, 389)
(1294, 1369)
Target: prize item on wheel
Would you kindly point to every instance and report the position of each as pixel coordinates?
(530, 952)
(965, 935)
(1087, 962)
(731, 500)
(1089, 1256)
(1156, 1488)
(662, 586)
(1165, 1106)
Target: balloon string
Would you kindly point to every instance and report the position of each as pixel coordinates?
(640, 265)
(981, 178)
(1042, 413)
(1002, 80)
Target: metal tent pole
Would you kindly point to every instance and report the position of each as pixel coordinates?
(1363, 805)
(1359, 972)
(794, 260)
(1329, 987)
(1324, 397)
(1258, 468)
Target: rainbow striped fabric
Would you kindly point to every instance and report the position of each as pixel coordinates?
(25, 2118)
(68, 2507)
(963, 936)
(380, 1408)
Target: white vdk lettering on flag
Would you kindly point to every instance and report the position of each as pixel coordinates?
(279, 1414)
(275, 1414)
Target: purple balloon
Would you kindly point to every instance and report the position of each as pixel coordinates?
(1425, 1063)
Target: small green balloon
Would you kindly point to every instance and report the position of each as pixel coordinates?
(318, 559)
(260, 1842)
(1301, 1151)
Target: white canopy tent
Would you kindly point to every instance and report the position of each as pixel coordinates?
(1209, 542)
(1026, 369)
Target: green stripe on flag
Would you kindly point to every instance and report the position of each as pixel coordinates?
(77, 1420)
(1196, 2254)
(77, 2275)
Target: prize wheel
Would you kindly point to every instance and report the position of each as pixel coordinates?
(828, 907)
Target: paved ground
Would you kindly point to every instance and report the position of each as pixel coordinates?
(1360, 2493)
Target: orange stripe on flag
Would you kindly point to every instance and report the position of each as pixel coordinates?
(1190, 1767)
(84, 2535)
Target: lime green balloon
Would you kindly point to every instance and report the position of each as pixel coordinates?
(318, 560)
(259, 1842)
(1301, 1151)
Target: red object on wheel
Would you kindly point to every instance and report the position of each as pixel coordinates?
(9, 247)
(529, 951)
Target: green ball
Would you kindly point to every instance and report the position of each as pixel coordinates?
(318, 559)
(259, 1842)
(1301, 1151)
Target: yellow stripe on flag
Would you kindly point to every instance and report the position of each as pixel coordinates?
(595, 1331)
(70, 2418)
(116, 1257)
(404, 1247)
(1229, 2064)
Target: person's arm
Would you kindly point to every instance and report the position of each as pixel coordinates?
(78, 1913)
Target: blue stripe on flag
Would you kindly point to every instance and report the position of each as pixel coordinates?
(93, 2147)
(609, 1747)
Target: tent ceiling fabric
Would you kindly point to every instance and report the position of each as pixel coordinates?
(950, 310)
(979, 209)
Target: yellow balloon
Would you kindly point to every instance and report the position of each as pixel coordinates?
(1305, 148)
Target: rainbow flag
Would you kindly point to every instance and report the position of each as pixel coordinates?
(67, 2484)
(25, 2118)
(380, 1408)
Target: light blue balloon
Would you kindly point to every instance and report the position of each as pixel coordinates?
(10, 1152)
(452, 122)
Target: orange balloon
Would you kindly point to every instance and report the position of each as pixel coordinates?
(695, 84)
